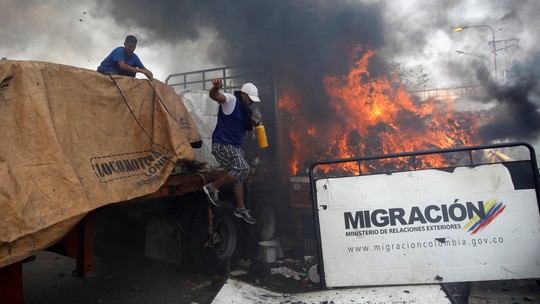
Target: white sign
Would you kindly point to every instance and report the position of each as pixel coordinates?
(427, 226)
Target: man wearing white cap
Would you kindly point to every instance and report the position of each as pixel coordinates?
(234, 119)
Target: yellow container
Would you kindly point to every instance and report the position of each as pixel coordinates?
(260, 133)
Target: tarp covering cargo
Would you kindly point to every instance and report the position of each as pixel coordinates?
(74, 140)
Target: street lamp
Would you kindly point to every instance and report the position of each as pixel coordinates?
(475, 55)
(461, 28)
(465, 53)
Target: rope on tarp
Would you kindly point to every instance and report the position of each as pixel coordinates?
(167, 158)
(197, 144)
(161, 101)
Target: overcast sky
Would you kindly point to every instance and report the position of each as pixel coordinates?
(177, 36)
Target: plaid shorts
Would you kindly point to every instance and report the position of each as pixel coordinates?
(232, 158)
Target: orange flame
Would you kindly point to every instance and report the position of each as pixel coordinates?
(375, 116)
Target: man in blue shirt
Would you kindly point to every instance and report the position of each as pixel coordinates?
(123, 61)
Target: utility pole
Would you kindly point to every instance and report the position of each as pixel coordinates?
(492, 43)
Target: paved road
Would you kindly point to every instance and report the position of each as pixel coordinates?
(48, 280)
(128, 279)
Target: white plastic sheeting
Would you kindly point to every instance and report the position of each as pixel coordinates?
(203, 111)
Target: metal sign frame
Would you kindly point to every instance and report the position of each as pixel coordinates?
(468, 157)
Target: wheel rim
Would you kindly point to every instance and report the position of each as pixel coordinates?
(209, 251)
(224, 238)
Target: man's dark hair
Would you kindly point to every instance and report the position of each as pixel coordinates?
(131, 39)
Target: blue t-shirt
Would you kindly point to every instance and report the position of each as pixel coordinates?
(110, 63)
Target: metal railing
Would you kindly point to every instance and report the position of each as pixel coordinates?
(450, 93)
(233, 77)
(466, 159)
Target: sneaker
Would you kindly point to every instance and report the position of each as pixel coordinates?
(245, 214)
(212, 194)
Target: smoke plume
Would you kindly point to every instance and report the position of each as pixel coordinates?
(301, 40)
(305, 41)
(516, 114)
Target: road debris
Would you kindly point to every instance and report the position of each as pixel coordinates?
(286, 272)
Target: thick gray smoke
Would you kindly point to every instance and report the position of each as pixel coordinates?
(513, 105)
(302, 41)
(516, 115)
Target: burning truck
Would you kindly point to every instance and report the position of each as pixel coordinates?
(114, 158)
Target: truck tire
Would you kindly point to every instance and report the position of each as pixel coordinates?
(210, 252)
(184, 220)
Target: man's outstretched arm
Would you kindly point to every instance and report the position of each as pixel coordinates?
(214, 91)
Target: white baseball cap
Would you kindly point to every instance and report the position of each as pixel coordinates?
(251, 90)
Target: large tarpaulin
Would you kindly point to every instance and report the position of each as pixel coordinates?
(74, 140)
